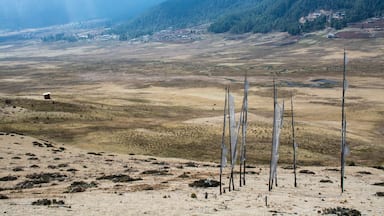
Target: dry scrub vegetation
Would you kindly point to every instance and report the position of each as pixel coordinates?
(167, 99)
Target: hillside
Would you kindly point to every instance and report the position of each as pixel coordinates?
(298, 16)
(181, 14)
(45, 178)
(258, 16)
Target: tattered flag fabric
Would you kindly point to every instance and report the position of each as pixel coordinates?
(233, 128)
(224, 156)
(278, 124)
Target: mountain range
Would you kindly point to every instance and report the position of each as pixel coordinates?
(19, 14)
(136, 17)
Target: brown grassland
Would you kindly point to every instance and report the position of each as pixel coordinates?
(167, 99)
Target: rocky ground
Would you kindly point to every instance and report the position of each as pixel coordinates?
(38, 177)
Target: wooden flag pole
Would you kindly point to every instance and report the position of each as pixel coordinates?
(245, 145)
(293, 142)
(230, 145)
(343, 126)
(270, 183)
(244, 125)
(241, 150)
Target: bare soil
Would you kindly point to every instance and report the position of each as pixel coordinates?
(65, 180)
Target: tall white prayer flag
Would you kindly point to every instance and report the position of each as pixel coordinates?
(233, 128)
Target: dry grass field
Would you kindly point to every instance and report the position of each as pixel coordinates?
(166, 99)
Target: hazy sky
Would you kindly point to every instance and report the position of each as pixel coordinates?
(34, 13)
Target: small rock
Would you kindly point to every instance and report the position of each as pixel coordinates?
(119, 178)
(18, 169)
(379, 167)
(341, 211)
(307, 172)
(326, 181)
(148, 188)
(42, 202)
(250, 166)
(80, 186)
(204, 183)
(58, 202)
(364, 173)
(379, 184)
(333, 169)
(62, 165)
(93, 153)
(3, 197)
(48, 145)
(35, 143)
(47, 202)
(184, 175)
(25, 184)
(191, 164)
(156, 172)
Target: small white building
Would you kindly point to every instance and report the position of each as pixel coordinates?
(331, 35)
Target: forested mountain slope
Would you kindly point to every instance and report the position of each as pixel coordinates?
(182, 13)
(241, 16)
(284, 15)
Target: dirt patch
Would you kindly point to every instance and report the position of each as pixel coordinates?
(353, 35)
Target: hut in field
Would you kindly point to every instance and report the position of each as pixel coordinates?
(47, 95)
